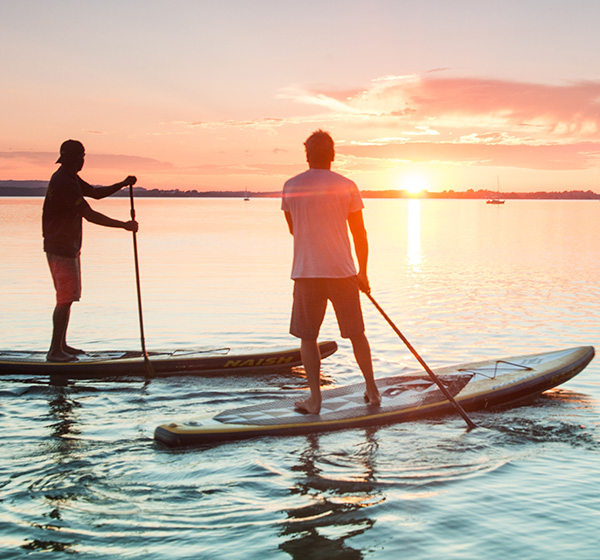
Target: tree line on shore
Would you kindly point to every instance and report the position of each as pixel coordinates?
(38, 188)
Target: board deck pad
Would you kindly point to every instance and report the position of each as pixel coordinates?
(348, 402)
(38, 356)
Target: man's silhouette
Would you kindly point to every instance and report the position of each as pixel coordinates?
(64, 208)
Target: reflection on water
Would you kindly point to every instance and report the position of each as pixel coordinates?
(413, 223)
(49, 469)
(59, 453)
(339, 508)
(62, 412)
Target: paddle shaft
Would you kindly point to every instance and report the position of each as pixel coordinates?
(433, 376)
(149, 368)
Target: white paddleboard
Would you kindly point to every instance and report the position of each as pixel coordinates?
(408, 396)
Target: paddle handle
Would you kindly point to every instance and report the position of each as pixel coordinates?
(433, 376)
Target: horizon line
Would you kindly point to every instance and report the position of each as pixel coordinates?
(37, 188)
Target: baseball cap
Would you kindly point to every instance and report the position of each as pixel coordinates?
(69, 150)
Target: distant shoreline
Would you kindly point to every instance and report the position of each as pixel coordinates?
(38, 188)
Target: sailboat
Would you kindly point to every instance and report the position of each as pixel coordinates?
(246, 197)
(496, 199)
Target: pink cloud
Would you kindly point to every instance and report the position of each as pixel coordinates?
(572, 109)
(32, 158)
(117, 161)
(475, 121)
(266, 122)
(258, 168)
(564, 110)
(92, 160)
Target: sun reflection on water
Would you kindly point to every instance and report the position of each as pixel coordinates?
(414, 255)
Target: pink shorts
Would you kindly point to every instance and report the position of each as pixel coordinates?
(310, 304)
(66, 275)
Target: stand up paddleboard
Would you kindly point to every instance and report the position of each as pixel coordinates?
(409, 396)
(109, 364)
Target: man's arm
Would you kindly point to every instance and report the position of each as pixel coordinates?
(290, 223)
(361, 247)
(102, 192)
(102, 220)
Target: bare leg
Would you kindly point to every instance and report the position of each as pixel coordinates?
(60, 322)
(362, 353)
(65, 347)
(311, 359)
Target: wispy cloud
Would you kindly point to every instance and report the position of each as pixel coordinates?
(249, 169)
(473, 121)
(46, 161)
(260, 123)
(119, 161)
(558, 109)
(34, 158)
(542, 157)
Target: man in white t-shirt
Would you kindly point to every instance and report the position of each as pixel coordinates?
(319, 206)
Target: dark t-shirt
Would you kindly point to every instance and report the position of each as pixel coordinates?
(62, 213)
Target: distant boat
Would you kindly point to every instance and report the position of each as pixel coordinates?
(246, 197)
(496, 199)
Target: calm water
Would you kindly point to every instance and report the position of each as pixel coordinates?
(80, 472)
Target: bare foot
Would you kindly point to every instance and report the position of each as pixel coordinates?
(307, 407)
(373, 399)
(73, 351)
(61, 357)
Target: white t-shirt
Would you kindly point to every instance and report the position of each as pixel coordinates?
(319, 201)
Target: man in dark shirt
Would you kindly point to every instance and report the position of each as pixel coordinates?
(64, 209)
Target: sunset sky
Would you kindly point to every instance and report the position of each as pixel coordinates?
(444, 94)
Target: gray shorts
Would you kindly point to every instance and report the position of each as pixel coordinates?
(66, 275)
(310, 304)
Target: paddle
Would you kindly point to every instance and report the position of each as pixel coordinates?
(149, 368)
(433, 376)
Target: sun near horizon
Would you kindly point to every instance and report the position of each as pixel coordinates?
(414, 184)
